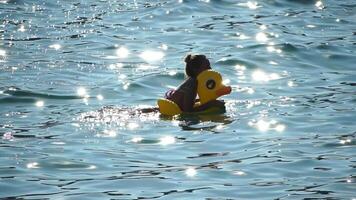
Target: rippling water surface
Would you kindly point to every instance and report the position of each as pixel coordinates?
(74, 75)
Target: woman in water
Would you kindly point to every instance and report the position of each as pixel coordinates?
(185, 95)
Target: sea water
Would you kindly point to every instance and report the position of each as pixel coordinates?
(75, 74)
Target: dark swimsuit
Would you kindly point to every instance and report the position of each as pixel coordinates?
(185, 92)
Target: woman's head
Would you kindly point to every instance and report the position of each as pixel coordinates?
(196, 64)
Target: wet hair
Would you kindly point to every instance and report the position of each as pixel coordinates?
(194, 64)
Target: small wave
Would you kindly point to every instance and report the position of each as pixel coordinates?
(13, 94)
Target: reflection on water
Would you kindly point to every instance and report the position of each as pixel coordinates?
(253, 5)
(40, 103)
(2, 53)
(261, 76)
(122, 52)
(167, 140)
(152, 56)
(319, 5)
(261, 37)
(55, 46)
(79, 83)
(191, 172)
(264, 125)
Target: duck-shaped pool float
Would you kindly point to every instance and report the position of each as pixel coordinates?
(210, 87)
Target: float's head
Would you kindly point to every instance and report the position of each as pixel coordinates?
(210, 86)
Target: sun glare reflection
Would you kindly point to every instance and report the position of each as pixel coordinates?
(8, 136)
(319, 5)
(2, 53)
(82, 92)
(261, 76)
(167, 140)
(242, 36)
(122, 52)
(239, 173)
(261, 37)
(40, 103)
(100, 97)
(263, 125)
(137, 139)
(33, 165)
(22, 28)
(116, 66)
(152, 56)
(55, 46)
(345, 141)
(191, 172)
(250, 4)
(108, 133)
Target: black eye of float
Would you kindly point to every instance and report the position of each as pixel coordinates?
(210, 84)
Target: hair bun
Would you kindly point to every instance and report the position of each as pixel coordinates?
(188, 58)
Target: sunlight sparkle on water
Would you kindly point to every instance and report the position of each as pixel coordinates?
(280, 127)
(261, 37)
(145, 67)
(172, 73)
(40, 103)
(55, 46)
(345, 141)
(167, 140)
(271, 48)
(164, 47)
(137, 139)
(22, 28)
(191, 172)
(132, 126)
(8, 136)
(319, 5)
(152, 56)
(261, 76)
(239, 173)
(2, 53)
(100, 97)
(263, 125)
(290, 84)
(226, 81)
(250, 4)
(242, 36)
(82, 92)
(122, 52)
(109, 133)
(33, 165)
(116, 66)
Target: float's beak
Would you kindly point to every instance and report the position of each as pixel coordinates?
(224, 90)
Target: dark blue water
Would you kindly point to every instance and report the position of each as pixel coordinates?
(73, 75)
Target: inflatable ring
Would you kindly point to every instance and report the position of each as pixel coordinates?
(210, 87)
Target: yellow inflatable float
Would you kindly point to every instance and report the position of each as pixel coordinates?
(210, 87)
